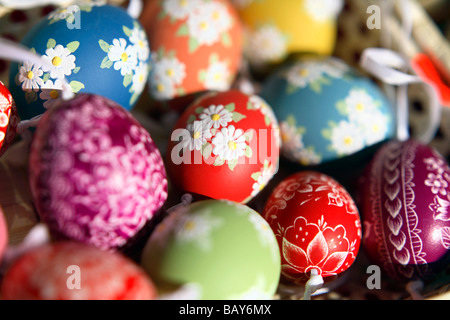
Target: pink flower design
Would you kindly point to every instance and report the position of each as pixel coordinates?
(307, 246)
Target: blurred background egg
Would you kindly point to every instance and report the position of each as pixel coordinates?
(404, 199)
(75, 271)
(317, 226)
(3, 234)
(100, 49)
(275, 29)
(196, 47)
(224, 250)
(326, 110)
(8, 119)
(95, 174)
(224, 146)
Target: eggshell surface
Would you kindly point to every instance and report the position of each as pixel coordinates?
(224, 146)
(317, 226)
(3, 234)
(224, 250)
(274, 29)
(74, 271)
(8, 119)
(196, 45)
(96, 175)
(326, 110)
(99, 49)
(404, 196)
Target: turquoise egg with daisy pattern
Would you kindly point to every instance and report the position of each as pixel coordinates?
(326, 109)
(97, 48)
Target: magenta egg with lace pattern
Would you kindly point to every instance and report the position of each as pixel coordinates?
(405, 200)
(96, 175)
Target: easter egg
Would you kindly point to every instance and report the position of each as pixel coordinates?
(221, 249)
(196, 46)
(96, 175)
(8, 119)
(75, 271)
(224, 146)
(404, 197)
(326, 110)
(275, 29)
(99, 49)
(317, 226)
(3, 234)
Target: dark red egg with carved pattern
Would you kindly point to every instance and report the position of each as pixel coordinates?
(404, 201)
(317, 226)
(8, 119)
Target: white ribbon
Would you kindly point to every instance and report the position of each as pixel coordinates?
(135, 8)
(387, 66)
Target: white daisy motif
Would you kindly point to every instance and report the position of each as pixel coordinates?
(202, 27)
(198, 135)
(229, 143)
(51, 92)
(263, 179)
(61, 60)
(374, 127)
(180, 9)
(218, 14)
(291, 140)
(323, 10)
(265, 45)
(170, 68)
(307, 156)
(216, 116)
(304, 73)
(30, 76)
(346, 138)
(124, 56)
(139, 39)
(217, 76)
(140, 77)
(162, 88)
(197, 228)
(360, 105)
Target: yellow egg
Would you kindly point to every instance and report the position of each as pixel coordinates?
(277, 28)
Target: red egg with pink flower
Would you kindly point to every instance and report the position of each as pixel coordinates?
(317, 225)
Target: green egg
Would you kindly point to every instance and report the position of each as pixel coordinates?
(221, 249)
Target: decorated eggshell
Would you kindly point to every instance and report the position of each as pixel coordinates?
(326, 110)
(196, 46)
(223, 250)
(75, 271)
(8, 118)
(224, 146)
(317, 225)
(96, 176)
(404, 196)
(274, 29)
(3, 234)
(99, 49)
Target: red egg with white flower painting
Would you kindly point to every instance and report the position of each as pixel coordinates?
(317, 225)
(8, 118)
(224, 146)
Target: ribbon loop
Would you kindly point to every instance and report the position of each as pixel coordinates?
(391, 68)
